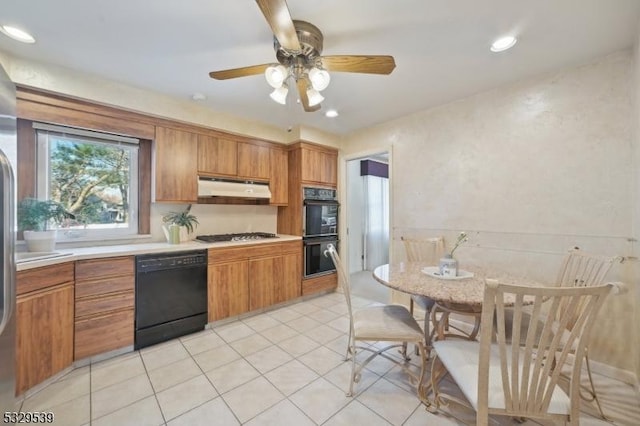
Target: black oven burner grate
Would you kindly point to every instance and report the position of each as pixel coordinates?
(245, 236)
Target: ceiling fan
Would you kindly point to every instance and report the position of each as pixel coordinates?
(298, 46)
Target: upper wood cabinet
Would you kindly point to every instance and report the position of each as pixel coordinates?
(253, 161)
(279, 180)
(309, 165)
(319, 166)
(175, 166)
(217, 156)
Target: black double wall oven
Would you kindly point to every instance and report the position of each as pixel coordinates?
(320, 228)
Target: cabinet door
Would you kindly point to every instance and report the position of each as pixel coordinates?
(319, 167)
(265, 276)
(217, 156)
(291, 285)
(278, 182)
(44, 335)
(330, 169)
(176, 162)
(311, 165)
(253, 161)
(228, 285)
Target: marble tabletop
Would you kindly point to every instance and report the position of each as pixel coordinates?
(465, 294)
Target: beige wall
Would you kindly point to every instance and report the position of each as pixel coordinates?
(529, 170)
(635, 293)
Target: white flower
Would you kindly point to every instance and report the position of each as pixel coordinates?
(461, 239)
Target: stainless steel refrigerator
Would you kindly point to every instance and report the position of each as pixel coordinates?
(7, 233)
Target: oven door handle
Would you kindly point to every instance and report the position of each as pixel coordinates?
(319, 240)
(321, 203)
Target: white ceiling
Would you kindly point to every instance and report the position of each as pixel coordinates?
(441, 48)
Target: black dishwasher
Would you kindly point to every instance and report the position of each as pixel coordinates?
(171, 296)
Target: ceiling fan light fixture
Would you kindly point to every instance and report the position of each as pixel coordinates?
(319, 78)
(503, 43)
(17, 34)
(276, 75)
(314, 96)
(280, 94)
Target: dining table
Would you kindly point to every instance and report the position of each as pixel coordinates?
(462, 294)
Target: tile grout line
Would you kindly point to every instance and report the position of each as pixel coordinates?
(90, 394)
(219, 395)
(155, 395)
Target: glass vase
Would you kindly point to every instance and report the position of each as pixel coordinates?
(448, 266)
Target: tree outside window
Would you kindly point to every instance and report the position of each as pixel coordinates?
(94, 178)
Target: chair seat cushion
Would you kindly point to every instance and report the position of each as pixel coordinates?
(461, 358)
(388, 323)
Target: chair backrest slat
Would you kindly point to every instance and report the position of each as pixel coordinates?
(428, 250)
(343, 278)
(582, 269)
(531, 362)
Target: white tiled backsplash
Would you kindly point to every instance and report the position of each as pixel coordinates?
(219, 219)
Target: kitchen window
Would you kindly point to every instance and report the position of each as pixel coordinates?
(94, 176)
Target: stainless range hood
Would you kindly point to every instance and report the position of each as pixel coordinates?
(210, 187)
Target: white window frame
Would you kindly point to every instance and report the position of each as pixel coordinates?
(43, 131)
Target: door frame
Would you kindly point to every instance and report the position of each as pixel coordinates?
(344, 197)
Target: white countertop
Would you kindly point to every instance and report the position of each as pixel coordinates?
(81, 253)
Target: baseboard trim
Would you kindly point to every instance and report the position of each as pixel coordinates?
(612, 372)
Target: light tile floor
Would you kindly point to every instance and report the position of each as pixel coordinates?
(283, 367)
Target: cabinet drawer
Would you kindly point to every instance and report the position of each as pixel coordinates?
(99, 268)
(41, 278)
(104, 304)
(291, 247)
(223, 255)
(102, 334)
(105, 285)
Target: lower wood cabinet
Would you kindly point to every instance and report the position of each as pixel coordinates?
(228, 289)
(104, 305)
(102, 333)
(318, 284)
(247, 278)
(44, 324)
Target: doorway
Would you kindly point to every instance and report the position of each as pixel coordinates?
(367, 183)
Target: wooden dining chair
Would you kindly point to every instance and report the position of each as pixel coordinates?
(582, 269)
(428, 251)
(498, 376)
(378, 323)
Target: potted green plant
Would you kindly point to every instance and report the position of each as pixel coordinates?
(178, 226)
(35, 218)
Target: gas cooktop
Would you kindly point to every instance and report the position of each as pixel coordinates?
(245, 236)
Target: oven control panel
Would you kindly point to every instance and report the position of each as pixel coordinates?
(319, 194)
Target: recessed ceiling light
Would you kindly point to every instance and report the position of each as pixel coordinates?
(198, 97)
(503, 43)
(17, 34)
(331, 113)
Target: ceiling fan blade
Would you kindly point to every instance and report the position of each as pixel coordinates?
(277, 15)
(238, 72)
(377, 64)
(303, 84)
